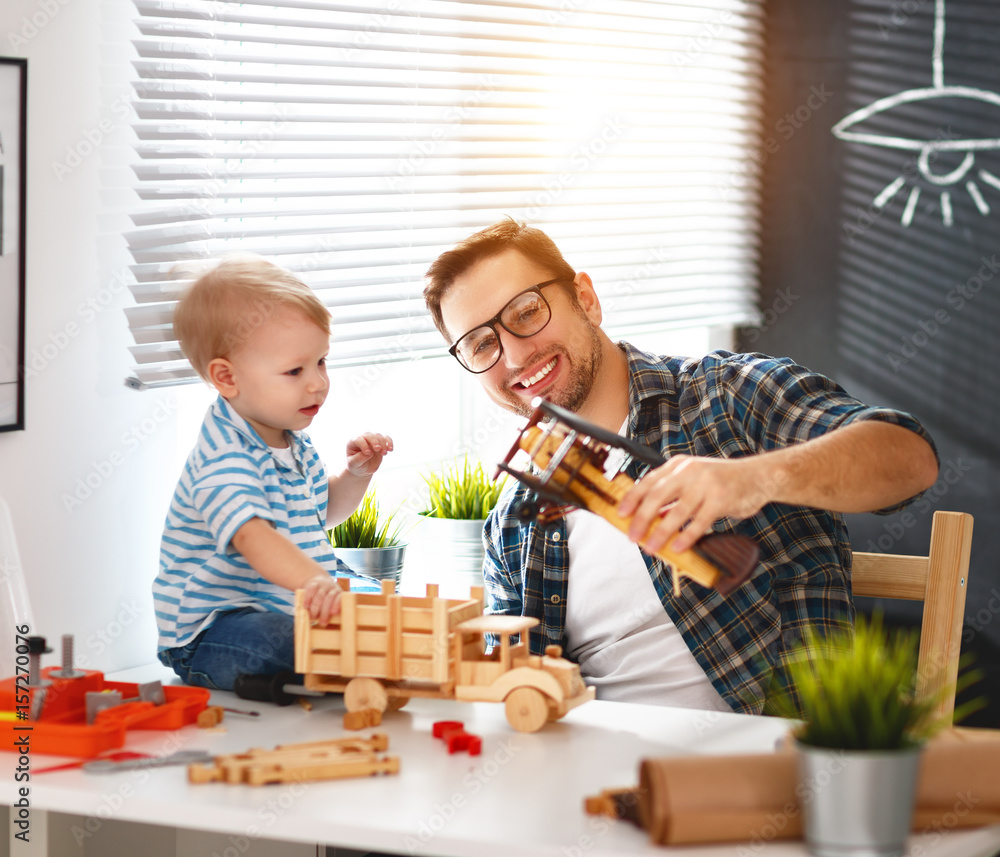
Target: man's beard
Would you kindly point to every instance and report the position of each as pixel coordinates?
(573, 395)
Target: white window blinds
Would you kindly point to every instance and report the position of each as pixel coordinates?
(352, 142)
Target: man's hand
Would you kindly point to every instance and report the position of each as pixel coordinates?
(365, 453)
(693, 493)
(860, 467)
(321, 597)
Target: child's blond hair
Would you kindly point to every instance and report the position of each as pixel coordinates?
(225, 304)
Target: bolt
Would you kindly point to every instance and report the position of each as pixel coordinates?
(67, 670)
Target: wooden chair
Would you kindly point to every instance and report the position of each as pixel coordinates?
(940, 581)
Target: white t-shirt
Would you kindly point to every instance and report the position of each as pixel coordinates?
(284, 455)
(617, 629)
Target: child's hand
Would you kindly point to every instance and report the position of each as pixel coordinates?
(365, 453)
(321, 597)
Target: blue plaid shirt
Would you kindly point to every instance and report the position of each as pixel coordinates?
(726, 406)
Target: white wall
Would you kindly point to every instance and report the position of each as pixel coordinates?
(88, 563)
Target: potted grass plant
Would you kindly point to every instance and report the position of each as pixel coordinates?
(370, 541)
(459, 498)
(860, 741)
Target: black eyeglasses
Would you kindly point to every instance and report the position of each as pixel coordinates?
(524, 315)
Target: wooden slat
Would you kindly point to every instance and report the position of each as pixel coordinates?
(348, 625)
(420, 669)
(944, 610)
(417, 620)
(878, 575)
(370, 665)
(373, 665)
(440, 642)
(330, 769)
(302, 650)
(394, 640)
(940, 580)
(459, 614)
(371, 616)
(325, 638)
(417, 645)
(369, 642)
(322, 663)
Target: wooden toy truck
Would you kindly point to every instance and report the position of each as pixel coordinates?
(383, 648)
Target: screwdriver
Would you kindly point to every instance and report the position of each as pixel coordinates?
(281, 688)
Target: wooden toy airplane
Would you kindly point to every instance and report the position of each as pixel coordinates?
(578, 464)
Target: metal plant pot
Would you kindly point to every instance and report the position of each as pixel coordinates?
(380, 563)
(857, 803)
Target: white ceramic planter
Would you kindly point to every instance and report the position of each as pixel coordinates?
(857, 803)
(454, 551)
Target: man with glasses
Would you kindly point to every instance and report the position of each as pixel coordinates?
(754, 445)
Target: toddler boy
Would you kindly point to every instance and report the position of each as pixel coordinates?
(247, 524)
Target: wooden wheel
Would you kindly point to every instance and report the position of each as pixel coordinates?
(527, 709)
(397, 702)
(362, 693)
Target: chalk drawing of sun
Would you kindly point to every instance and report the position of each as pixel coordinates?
(851, 128)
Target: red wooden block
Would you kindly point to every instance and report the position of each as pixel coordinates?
(457, 740)
(442, 726)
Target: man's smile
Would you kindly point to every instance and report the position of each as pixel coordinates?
(537, 377)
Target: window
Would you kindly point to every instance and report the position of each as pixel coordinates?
(352, 143)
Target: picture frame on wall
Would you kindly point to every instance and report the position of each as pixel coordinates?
(13, 185)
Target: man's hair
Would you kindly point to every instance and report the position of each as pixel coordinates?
(225, 304)
(507, 234)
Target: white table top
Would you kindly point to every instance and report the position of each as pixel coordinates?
(522, 796)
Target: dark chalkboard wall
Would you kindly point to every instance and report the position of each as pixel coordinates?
(880, 267)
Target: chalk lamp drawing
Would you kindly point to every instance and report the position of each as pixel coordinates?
(850, 129)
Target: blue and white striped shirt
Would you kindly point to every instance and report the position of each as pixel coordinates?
(230, 477)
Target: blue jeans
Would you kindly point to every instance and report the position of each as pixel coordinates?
(244, 641)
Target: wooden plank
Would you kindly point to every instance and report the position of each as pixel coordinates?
(944, 608)
(327, 667)
(326, 638)
(348, 625)
(441, 653)
(419, 670)
(370, 665)
(394, 639)
(371, 642)
(417, 619)
(302, 649)
(333, 769)
(457, 615)
(323, 663)
(371, 616)
(417, 645)
(344, 757)
(878, 575)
